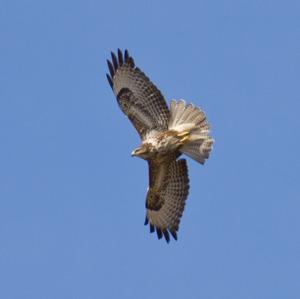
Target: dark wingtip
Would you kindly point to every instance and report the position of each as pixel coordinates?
(146, 221)
(174, 234)
(167, 236)
(111, 68)
(152, 228)
(120, 57)
(159, 233)
(114, 60)
(109, 80)
(126, 55)
(117, 61)
(131, 61)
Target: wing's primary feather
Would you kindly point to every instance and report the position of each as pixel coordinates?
(167, 193)
(137, 96)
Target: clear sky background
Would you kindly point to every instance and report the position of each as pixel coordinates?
(72, 197)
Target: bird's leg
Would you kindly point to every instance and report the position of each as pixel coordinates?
(183, 133)
(183, 136)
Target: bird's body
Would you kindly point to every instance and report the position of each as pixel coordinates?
(158, 145)
(166, 134)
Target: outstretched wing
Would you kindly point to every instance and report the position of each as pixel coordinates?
(137, 96)
(167, 193)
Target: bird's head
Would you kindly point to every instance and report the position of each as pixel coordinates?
(141, 151)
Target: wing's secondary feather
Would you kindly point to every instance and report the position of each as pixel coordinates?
(168, 191)
(137, 96)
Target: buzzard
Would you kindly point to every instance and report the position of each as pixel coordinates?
(166, 133)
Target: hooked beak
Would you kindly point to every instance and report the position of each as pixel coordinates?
(138, 151)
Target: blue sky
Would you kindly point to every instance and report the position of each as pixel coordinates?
(72, 197)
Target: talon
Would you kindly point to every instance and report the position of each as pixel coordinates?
(184, 139)
(184, 133)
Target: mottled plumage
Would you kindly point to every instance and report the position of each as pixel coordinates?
(165, 135)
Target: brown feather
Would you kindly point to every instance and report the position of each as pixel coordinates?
(114, 60)
(120, 57)
(146, 107)
(167, 193)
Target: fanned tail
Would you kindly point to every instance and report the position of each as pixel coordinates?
(191, 124)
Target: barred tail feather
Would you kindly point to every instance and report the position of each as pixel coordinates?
(198, 150)
(190, 120)
(185, 114)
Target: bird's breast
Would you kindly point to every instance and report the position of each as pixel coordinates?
(163, 143)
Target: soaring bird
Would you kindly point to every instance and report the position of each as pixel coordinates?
(166, 133)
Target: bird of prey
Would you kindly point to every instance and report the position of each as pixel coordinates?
(166, 133)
